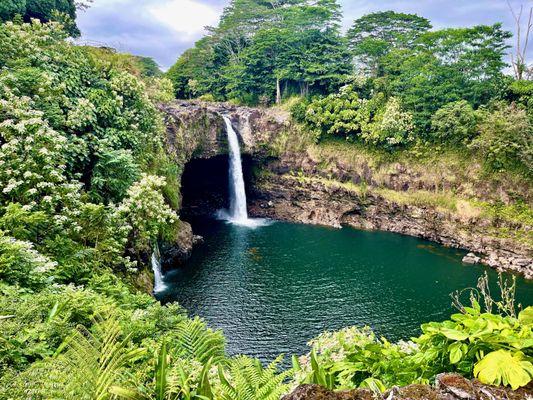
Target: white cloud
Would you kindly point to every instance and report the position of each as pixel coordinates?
(187, 17)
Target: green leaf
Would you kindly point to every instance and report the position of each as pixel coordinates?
(126, 393)
(454, 334)
(455, 352)
(204, 386)
(161, 373)
(526, 316)
(373, 384)
(502, 366)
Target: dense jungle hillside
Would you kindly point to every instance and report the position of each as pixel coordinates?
(94, 143)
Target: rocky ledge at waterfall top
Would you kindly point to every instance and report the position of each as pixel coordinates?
(296, 186)
(196, 129)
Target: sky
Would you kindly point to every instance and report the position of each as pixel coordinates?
(163, 29)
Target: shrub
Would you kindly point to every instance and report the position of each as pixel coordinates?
(495, 348)
(145, 210)
(207, 97)
(113, 174)
(454, 123)
(21, 264)
(505, 139)
(391, 126)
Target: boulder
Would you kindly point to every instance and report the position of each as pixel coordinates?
(471, 258)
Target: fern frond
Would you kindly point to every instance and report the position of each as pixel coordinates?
(248, 380)
(195, 340)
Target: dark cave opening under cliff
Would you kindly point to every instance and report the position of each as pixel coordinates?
(205, 185)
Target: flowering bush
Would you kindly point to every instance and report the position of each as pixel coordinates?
(75, 134)
(505, 139)
(455, 122)
(372, 120)
(21, 264)
(391, 127)
(146, 211)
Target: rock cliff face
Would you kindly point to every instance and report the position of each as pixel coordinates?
(287, 197)
(293, 186)
(197, 129)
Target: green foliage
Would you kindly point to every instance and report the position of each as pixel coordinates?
(260, 52)
(374, 35)
(113, 174)
(21, 264)
(248, 379)
(144, 208)
(473, 343)
(77, 132)
(377, 121)
(446, 66)
(504, 367)
(89, 363)
(194, 340)
(454, 123)
(391, 126)
(505, 139)
(63, 11)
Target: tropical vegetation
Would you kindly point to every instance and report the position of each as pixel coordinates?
(88, 189)
(391, 82)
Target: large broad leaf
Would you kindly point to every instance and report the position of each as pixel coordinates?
(375, 385)
(526, 316)
(456, 352)
(454, 334)
(502, 366)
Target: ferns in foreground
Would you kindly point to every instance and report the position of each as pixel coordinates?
(85, 366)
(192, 339)
(248, 380)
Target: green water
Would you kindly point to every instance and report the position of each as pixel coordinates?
(273, 288)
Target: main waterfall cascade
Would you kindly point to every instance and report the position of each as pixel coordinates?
(238, 213)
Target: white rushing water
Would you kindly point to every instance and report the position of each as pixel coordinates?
(237, 199)
(238, 213)
(159, 284)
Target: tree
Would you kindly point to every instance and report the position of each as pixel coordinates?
(445, 66)
(518, 60)
(63, 11)
(374, 35)
(263, 48)
(10, 8)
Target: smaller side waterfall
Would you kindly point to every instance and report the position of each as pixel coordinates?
(159, 284)
(238, 212)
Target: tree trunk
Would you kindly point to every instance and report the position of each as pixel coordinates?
(278, 91)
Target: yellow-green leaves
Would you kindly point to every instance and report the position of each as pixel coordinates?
(526, 316)
(454, 334)
(456, 352)
(503, 367)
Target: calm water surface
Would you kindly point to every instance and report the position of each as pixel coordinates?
(273, 288)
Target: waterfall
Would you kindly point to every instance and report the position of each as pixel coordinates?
(238, 212)
(159, 284)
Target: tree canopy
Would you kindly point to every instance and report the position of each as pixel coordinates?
(44, 10)
(263, 48)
